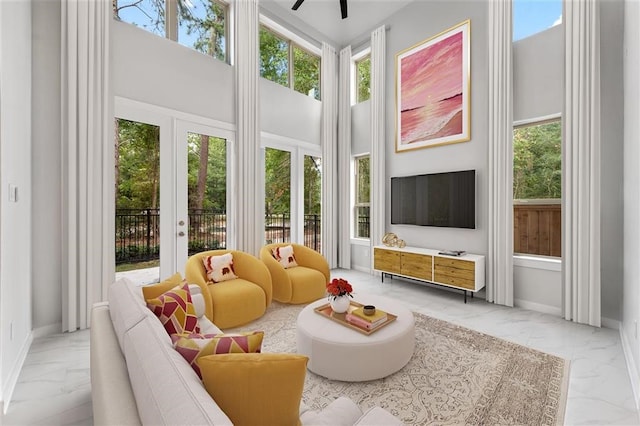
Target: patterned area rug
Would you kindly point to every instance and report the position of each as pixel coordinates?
(456, 376)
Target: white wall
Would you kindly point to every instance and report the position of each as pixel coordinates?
(631, 274)
(15, 217)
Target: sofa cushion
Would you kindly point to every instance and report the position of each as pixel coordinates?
(175, 310)
(256, 389)
(219, 268)
(166, 388)
(126, 307)
(284, 255)
(195, 346)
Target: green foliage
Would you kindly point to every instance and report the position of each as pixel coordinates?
(209, 27)
(363, 182)
(312, 184)
(216, 184)
(139, 165)
(363, 79)
(277, 181)
(274, 57)
(275, 66)
(537, 161)
(306, 72)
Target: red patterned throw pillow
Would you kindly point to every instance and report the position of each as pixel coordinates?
(175, 310)
(194, 346)
(219, 268)
(285, 256)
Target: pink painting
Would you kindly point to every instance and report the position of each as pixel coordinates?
(433, 91)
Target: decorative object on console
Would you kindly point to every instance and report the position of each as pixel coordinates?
(433, 91)
(369, 310)
(391, 240)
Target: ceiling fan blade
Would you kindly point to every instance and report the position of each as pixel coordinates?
(343, 8)
(297, 4)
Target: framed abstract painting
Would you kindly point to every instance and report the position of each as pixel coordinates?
(433, 91)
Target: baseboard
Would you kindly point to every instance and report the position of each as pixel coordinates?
(538, 307)
(610, 323)
(47, 330)
(361, 269)
(634, 378)
(14, 373)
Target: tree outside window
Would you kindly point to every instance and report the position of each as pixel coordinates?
(285, 63)
(363, 79)
(362, 194)
(537, 188)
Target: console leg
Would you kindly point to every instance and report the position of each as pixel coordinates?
(465, 296)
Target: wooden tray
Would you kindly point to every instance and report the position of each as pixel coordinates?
(326, 311)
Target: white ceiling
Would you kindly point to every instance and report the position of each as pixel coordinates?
(324, 16)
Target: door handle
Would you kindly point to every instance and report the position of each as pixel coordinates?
(181, 234)
(181, 223)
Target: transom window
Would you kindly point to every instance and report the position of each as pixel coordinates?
(285, 62)
(198, 24)
(361, 207)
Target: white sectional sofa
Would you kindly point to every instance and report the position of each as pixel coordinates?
(138, 378)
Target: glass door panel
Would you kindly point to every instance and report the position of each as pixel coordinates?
(312, 201)
(207, 192)
(137, 180)
(277, 196)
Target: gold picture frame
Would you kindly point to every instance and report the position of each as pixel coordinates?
(433, 90)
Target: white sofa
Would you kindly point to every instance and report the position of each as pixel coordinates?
(138, 378)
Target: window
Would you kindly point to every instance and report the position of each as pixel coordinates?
(284, 62)
(202, 27)
(361, 204)
(363, 79)
(533, 16)
(537, 188)
(198, 24)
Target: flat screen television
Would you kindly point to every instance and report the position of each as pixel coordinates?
(437, 199)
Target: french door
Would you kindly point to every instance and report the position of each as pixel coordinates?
(170, 188)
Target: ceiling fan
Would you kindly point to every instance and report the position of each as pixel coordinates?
(343, 7)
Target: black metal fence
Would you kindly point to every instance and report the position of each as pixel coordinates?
(138, 232)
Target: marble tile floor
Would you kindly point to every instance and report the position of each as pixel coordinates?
(54, 385)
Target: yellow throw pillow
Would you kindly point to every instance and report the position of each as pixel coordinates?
(219, 268)
(256, 389)
(154, 290)
(194, 347)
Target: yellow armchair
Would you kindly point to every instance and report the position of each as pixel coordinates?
(301, 284)
(233, 302)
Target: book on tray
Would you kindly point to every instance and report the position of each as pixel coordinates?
(377, 316)
(367, 325)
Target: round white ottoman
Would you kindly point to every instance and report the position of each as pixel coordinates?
(340, 353)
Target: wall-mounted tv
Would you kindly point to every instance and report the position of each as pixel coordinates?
(437, 199)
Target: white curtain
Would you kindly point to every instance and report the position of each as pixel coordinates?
(248, 206)
(378, 138)
(344, 159)
(329, 136)
(87, 159)
(581, 163)
(500, 172)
